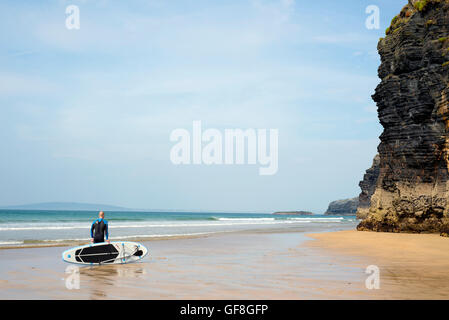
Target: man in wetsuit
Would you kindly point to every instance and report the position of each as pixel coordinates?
(99, 229)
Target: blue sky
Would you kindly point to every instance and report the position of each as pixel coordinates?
(85, 115)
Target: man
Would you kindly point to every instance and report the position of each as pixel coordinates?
(99, 229)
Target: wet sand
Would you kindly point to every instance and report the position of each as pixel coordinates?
(228, 266)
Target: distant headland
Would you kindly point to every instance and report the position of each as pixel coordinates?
(299, 213)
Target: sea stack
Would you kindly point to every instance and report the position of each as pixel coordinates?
(412, 190)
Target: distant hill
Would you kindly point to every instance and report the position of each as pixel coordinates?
(299, 213)
(76, 206)
(67, 206)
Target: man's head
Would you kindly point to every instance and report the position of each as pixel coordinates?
(101, 215)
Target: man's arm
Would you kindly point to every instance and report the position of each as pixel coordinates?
(92, 231)
(106, 231)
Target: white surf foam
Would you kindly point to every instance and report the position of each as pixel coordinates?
(3, 243)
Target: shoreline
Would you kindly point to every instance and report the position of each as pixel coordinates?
(41, 231)
(74, 243)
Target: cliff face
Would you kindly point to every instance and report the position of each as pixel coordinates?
(368, 186)
(412, 190)
(343, 207)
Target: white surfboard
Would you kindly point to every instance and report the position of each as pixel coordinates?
(119, 252)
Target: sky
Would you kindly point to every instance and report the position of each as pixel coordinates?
(86, 114)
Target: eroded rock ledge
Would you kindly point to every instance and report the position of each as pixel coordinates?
(411, 193)
(368, 186)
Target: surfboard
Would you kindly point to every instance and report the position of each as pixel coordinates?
(119, 252)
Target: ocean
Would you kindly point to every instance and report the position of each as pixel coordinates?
(43, 227)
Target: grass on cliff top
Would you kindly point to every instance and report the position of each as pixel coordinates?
(398, 21)
(407, 12)
(422, 4)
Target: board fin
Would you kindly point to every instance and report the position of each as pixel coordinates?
(138, 253)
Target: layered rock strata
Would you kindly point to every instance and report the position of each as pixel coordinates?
(412, 190)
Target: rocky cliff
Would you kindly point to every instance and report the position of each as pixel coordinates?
(343, 207)
(411, 194)
(368, 186)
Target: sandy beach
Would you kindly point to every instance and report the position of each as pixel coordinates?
(287, 265)
(412, 266)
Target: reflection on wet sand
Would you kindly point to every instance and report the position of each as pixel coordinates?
(97, 279)
(241, 266)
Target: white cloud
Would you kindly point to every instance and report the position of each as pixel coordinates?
(23, 84)
(339, 38)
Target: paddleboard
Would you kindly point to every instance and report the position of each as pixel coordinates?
(119, 252)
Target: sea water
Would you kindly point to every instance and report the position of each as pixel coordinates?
(22, 227)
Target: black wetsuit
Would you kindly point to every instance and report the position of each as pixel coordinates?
(99, 230)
